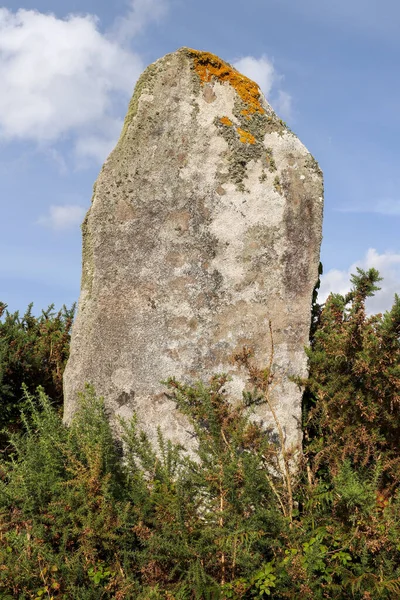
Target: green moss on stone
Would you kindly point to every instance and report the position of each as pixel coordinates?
(257, 125)
(277, 184)
(313, 165)
(144, 84)
(270, 160)
(87, 256)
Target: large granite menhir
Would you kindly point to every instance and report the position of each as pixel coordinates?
(205, 224)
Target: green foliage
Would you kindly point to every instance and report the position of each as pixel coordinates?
(33, 351)
(231, 521)
(79, 519)
(264, 581)
(354, 382)
(350, 502)
(63, 507)
(99, 574)
(211, 519)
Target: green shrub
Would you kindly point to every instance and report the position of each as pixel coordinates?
(233, 521)
(77, 522)
(353, 407)
(350, 500)
(33, 351)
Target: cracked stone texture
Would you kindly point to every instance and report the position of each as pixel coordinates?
(205, 224)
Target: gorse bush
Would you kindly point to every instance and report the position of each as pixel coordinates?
(33, 352)
(353, 411)
(61, 512)
(235, 521)
(77, 522)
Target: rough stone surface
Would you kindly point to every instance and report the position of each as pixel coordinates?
(205, 224)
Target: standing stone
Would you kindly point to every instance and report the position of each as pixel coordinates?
(205, 224)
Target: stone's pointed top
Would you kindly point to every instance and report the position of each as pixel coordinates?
(198, 77)
(209, 66)
(205, 224)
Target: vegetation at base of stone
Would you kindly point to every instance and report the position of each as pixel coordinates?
(78, 522)
(33, 351)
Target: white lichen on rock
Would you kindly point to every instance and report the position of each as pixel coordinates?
(205, 224)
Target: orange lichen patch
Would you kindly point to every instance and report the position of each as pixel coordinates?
(245, 113)
(209, 66)
(226, 121)
(246, 137)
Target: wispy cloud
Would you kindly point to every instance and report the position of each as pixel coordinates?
(262, 71)
(388, 265)
(68, 216)
(283, 104)
(97, 144)
(56, 157)
(138, 16)
(388, 206)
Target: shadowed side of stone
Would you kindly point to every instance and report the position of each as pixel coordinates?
(205, 224)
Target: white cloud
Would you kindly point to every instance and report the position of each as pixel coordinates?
(388, 265)
(63, 78)
(283, 104)
(262, 71)
(140, 13)
(95, 147)
(68, 216)
(98, 144)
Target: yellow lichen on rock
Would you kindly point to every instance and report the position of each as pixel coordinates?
(246, 137)
(226, 121)
(209, 66)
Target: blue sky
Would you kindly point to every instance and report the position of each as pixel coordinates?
(67, 71)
